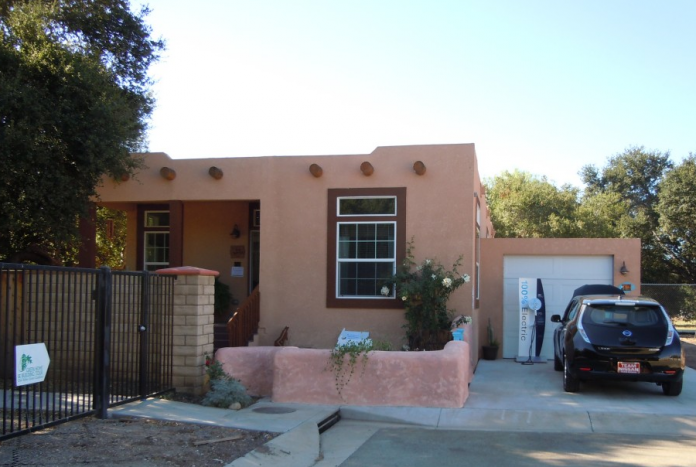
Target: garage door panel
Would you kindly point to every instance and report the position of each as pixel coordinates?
(544, 265)
(560, 276)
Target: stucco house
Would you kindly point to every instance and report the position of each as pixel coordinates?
(291, 225)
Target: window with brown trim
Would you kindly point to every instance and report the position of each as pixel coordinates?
(366, 240)
(153, 230)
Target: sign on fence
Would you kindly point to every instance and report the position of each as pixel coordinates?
(31, 363)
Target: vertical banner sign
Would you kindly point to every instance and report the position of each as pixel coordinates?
(532, 320)
(31, 364)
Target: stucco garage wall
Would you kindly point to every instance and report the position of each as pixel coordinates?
(495, 251)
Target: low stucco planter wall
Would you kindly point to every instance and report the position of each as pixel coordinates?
(420, 379)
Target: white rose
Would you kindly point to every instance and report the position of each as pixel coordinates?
(466, 278)
(385, 290)
(447, 282)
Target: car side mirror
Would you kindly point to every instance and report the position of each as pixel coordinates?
(555, 318)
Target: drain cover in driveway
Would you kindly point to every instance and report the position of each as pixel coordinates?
(273, 410)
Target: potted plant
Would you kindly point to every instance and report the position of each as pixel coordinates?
(490, 351)
(425, 289)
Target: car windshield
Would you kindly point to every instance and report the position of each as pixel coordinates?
(620, 315)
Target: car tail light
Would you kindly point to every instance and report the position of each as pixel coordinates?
(670, 336)
(582, 333)
(670, 372)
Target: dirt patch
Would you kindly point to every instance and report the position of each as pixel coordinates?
(131, 442)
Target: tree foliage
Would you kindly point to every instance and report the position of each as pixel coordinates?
(526, 206)
(676, 208)
(111, 238)
(74, 103)
(635, 176)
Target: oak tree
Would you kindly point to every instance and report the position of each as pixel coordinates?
(74, 103)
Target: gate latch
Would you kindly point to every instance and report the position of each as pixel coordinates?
(142, 328)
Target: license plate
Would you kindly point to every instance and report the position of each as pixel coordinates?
(629, 367)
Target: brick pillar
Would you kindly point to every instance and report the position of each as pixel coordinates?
(194, 326)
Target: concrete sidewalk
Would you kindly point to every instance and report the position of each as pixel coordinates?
(504, 396)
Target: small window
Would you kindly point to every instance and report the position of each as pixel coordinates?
(367, 206)
(156, 219)
(155, 238)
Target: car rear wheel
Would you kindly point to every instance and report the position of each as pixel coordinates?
(570, 382)
(672, 388)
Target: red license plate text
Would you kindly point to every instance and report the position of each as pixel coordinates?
(629, 367)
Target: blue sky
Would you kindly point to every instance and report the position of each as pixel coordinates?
(537, 85)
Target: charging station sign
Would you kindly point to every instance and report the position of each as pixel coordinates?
(532, 319)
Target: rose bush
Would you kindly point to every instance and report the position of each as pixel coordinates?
(425, 289)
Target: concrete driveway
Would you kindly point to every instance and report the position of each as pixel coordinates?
(519, 415)
(509, 396)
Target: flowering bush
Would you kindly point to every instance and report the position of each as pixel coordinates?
(425, 289)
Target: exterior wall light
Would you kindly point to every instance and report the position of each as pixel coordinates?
(624, 269)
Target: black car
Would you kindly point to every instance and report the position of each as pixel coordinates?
(605, 335)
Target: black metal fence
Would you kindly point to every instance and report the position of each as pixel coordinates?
(108, 334)
(678, 299)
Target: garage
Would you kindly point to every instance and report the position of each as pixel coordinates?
(559, 275)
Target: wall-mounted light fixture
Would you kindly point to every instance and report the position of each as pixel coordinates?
(367, 169)
(419, 167)
(235, 232)
(624, 269)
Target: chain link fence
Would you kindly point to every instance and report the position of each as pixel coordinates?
(678, 299)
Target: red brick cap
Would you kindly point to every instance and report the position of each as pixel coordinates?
(188, 271)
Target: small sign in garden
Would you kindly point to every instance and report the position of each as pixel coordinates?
(31, 363)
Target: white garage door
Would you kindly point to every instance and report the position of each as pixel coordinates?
(560, 276)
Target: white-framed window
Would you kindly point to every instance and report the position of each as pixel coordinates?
(366, 258)
(366, 240)
(155, 240)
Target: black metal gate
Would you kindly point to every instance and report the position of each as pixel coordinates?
(109, 336)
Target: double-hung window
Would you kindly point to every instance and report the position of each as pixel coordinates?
(155, 239)
(366, 242)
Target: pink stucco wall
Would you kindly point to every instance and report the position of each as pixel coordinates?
(440, 217)
(420, 379)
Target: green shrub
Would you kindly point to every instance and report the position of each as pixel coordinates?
(225, 392)
(224, 389)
